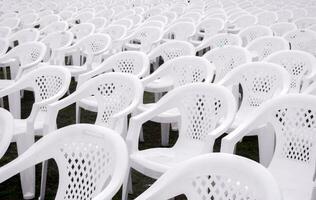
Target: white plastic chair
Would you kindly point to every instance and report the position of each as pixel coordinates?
(253, 32)
(54, 27)
(303, 40)
(267, 18)
(24, 36)
(226, 59)
(172, 74)
(259, 82)
(284, 15)
(305, 22)
(66, 14)
(128, 23)
(92, 161)
(143, 39)
(92, 47)
(293, 163)
(264, 46)
(244, 21)
(206, 112)
(219, 40)
(130, 62)
(47, 20)
(215, 176)
(12, 23)
(82, 17)
(280, 29)
(55, 43)
(49, 84)
(299, 64)
(209, 27)
(179, 31)
(99, 23)
(116, 95)
(82, 30)
(29, 20)
(5, 31)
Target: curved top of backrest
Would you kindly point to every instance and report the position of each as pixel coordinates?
(115, 31)
(299, 64)
(180, 31)
(227, 58)
(95, 44)
(267, 45)
(25, 35)
(6, 124)
(267, 18)
(305, 22)
(216, 176)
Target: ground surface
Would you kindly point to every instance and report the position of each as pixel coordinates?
(11, 189)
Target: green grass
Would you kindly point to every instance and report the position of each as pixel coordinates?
(11, 189)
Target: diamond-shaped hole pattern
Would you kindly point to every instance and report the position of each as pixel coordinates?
(171, 53)
(47, 86)
(218, 187)
(296, 129)
(258, 87)
(188, 73)
(126, 65)
(202, 113)
(87, 165)
(112, 98)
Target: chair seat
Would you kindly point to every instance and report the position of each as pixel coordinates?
(20, 125)
(156, 161)
(169, 116)
(159, 85)
(89, 103)
(76, 70)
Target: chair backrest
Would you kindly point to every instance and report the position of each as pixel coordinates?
(183, 70)
(116, 32)
(264, 46)
(82, 30)
(267, 18)
(23, 36)
(58, 39)
(299, 64)
(259, 82)
(128, 23)
(305, 22)
(11, 22)
(215, 176)
(90, 159)
(47, 20)
(94, 44)
(28, 20)
(83, 17)
(253, 32)
(99, 22)
(245, 21)
(5, 31)
(219, 40)
(147, 36)
(279, 29)
(210, 27)
(285, 15)
(227, 58)
(302, 40)
(54, 27)
(171, 50)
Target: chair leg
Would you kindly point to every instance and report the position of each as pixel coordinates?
(43, 180)
(174, 126)
(165, 134)
(127, 185)
(28, 175)
(15, 104)
(141, 137)
(78, 114)
(266, 142)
